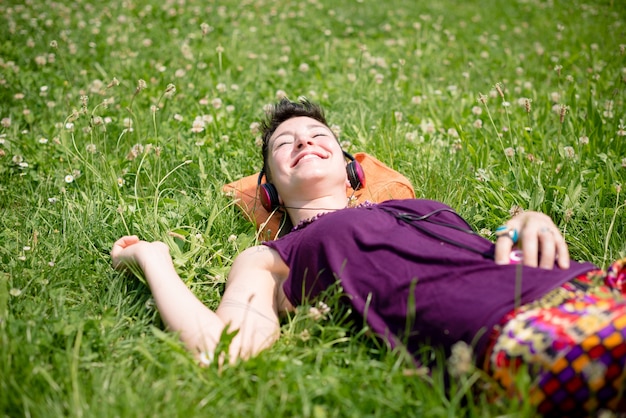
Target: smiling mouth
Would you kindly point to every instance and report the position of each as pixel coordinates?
(308, 157)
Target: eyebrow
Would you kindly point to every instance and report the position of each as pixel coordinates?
(310, 126)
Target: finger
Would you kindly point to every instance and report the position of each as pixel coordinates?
(530, 247)
(126, 241)
(120, 245)
(504, 245)
(562, 252)
(548, 248)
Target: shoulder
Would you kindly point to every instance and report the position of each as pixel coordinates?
(261, 257)
(419, 205)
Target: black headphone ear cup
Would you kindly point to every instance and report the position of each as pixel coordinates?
(269, 196)
(356, 175)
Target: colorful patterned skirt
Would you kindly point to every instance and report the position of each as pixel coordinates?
(572, 342)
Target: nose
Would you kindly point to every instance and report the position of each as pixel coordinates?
(303, 139)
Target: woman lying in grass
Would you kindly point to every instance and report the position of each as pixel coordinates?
(414, 270)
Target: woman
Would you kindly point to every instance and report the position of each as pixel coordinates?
(413, 269)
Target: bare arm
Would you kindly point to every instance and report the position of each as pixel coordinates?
(248, 304)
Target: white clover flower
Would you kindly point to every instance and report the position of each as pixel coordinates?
(206, 358)
(198, 125)
(315, 313)
(460, 362)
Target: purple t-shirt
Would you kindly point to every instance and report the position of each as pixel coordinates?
(432, 277)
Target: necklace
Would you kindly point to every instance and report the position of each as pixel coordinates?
(314, 218)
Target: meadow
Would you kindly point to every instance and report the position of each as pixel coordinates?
(129, 116)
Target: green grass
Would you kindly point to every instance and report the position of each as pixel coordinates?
(400, 79)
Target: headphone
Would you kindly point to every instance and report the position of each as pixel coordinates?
(269, 195)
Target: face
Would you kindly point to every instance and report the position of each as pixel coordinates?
(303, 152)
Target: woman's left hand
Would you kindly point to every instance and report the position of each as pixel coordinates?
(537, 236)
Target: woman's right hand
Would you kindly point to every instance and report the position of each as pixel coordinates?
(131, 251)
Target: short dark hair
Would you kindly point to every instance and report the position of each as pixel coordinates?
(284, 110)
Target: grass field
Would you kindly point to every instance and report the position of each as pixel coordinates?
(129, 116)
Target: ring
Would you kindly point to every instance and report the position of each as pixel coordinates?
(544, 229)
(507, 231)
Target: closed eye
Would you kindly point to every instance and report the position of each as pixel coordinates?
(280, 144)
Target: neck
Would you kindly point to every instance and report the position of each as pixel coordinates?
(301, 210)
